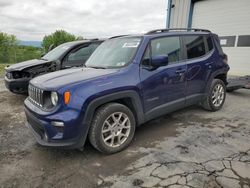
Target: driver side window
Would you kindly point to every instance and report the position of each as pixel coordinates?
(169, 46)
(79, 56)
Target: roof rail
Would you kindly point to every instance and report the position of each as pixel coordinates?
(175, 29)
(94, 39)
(118, 36)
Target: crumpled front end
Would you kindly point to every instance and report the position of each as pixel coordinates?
(17, 77)
(17, 81)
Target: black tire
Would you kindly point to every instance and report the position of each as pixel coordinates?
(208, 102)
(95, 133)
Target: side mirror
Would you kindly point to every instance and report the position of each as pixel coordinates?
(159, 61)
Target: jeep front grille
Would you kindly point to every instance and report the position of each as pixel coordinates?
(36, 95)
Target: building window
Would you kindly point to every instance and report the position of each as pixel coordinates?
(244, 41)
(227, 41)
(195, 46)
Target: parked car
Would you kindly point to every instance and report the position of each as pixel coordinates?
(127, 81)
(67, 55)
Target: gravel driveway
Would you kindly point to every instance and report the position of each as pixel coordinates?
(188, 148)
(2, 86)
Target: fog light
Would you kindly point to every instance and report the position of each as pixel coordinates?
(46, 137)
(57, 123)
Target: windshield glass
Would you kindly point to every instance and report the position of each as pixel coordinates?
(57, 52)
(114, 53)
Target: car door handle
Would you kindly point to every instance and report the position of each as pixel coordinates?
(67, 66)
(210, 63)
(180, 71)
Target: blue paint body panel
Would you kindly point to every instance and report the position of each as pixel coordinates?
(149, 90)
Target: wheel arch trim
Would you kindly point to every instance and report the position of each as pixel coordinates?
(97, 102)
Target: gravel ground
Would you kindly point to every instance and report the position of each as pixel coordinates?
(2, 86)
(188, 148)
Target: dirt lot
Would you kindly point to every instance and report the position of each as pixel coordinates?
(188, 148)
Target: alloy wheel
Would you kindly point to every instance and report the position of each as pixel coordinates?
(218, 95)
(116, 129)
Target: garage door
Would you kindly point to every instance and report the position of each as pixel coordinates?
(230, 19)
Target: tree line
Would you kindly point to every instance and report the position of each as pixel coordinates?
(12, 52)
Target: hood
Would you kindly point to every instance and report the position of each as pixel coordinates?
(26, 64)
(69, 76)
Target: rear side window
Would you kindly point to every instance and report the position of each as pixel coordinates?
(169, 46)
(217, 44)
(195, 46)
(209, 43)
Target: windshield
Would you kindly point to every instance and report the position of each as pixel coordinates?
(114, 53)
(57, 52)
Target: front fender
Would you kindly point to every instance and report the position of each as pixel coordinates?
(93, 103)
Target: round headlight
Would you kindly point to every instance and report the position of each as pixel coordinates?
(54, 98)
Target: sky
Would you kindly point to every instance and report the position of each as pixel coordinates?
(33, 19)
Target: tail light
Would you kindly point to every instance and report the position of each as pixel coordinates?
(225, 58)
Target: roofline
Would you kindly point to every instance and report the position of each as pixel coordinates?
(84, 41)
(166, 31)
(177, 29)
(118, 36)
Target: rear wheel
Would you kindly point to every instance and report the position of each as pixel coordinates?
(112, 128)
(216, 96)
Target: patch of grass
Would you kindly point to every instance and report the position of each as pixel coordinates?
(2, 65)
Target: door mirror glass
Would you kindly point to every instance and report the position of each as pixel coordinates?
(159, 61)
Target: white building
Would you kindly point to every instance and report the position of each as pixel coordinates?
(230, 19)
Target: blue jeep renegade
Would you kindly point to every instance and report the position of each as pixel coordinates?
(127, 81)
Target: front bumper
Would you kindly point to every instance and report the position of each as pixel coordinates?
(48, 135)
(19, 86)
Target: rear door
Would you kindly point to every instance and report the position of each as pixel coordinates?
(164, 86)
(200, 61)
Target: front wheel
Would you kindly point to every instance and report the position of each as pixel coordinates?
(216, 96)
(112, 128)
